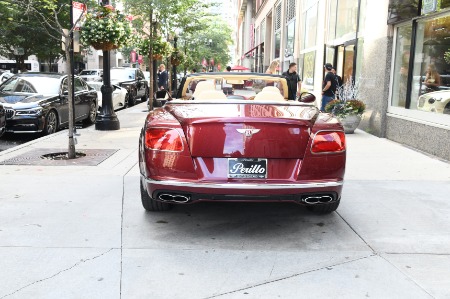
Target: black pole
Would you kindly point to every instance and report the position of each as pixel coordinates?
(107, 119)
(174, 67)
(155, 76)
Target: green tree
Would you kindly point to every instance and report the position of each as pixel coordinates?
(211, 42)
(53, 18)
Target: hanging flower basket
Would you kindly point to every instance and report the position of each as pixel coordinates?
(175, 62)
(104, 46)
(177, 57)
(105, 28)
(160, 48)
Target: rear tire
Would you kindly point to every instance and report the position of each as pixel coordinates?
(145, 97)
(326, 208)
(131, 98)
(92, 114)
(150, 204)
(447, 109)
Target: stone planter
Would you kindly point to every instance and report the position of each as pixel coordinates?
(350, 123)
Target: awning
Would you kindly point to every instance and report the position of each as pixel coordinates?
(248, 52)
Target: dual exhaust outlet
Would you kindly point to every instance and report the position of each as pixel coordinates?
(175, 198)
(317, 199)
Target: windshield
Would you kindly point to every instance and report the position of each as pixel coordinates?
(235, 88)
(42, 85)
(88, 73)
(122, 74)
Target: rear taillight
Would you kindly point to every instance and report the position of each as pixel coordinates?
(163, 139)
(328, 141)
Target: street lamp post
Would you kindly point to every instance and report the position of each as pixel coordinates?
(107, 119)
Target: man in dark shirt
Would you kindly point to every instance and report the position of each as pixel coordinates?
(294, 82)
(162, 77)
(328, 86)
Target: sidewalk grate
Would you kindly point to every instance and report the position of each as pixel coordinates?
(93, 157)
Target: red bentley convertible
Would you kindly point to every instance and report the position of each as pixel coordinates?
(216, 142)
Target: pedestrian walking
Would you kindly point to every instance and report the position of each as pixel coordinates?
(162, 77)
(293, 81)
(328, 86)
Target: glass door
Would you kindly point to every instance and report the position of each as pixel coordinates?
(345, 60)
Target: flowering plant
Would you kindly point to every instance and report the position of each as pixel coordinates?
(105, 29)
(177, 57)
(160, 48)
(346, 102)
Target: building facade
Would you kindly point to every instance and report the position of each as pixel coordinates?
(387, 47)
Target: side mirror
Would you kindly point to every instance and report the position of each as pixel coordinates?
(306, 97)
(65, 93)
(139, 78)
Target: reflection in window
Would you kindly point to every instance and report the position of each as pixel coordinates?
(431, 81)
(347, 17)
(400, 10)
(401, 64)
(290, 38)
(277, 44)
(310, 31)
(332, 20)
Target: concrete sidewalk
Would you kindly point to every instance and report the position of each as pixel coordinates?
(76, 231)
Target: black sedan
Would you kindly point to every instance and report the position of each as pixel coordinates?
(133, 80)
(39, 102)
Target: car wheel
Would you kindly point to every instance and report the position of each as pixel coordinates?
(131, 98)
(447, 109)
(125, 101)
(145, 97)
(51, 123)
(92, 114)
(150, 204)
(325, 208)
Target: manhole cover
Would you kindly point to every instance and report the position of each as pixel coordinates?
(57, 157)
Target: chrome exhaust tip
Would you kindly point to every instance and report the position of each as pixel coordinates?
(175, 198)
(317, 199)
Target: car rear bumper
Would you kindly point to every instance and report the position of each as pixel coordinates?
(229, 191)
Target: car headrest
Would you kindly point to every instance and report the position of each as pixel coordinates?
(210, 95)
(202, 86)
(269, 96)
(270, 89)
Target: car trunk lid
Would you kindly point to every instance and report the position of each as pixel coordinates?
(245, 130)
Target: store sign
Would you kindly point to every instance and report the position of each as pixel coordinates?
(429, 6)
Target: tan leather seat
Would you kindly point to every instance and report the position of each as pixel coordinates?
(210, 95)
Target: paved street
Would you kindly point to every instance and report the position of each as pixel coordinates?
(74, 231)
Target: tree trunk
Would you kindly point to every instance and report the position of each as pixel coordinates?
(71, 148)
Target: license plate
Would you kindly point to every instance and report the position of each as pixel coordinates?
(247, 168)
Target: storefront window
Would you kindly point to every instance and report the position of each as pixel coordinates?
(332, 20)
(347, 17)
(401, 65)
(290, 38)
(277, 44)
(431, 73)
(309, 59)
(310, 27)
